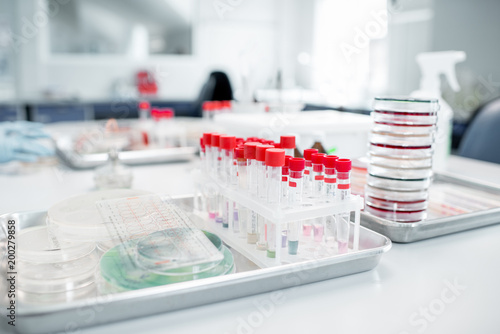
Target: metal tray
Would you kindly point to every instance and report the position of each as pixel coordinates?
(248, 280)
(81, 161)
(482, 208)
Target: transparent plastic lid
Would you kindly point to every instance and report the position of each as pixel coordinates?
(406, 104)
(37, 245)
(77, 218)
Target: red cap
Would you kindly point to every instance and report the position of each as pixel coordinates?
(275, 157)
(330, 160)
(158, 113)
(216, 139)
(207, 138)
(297, 164)
(239, 140)
(287, 160)
(144, 105)
(250, 149)
(277, 145)
(227, 142)
(239, 153)
(343, 165)
(308, 152)
(260, 154)
(226, 104)
(202, 145)
(317, 158)
(216, 105)
(207, 105)
(287, 141)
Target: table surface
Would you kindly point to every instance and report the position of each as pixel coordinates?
(448, 284)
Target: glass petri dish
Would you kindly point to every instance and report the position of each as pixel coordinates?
(385, 204)
(404, 129)
(77, 218)
(416, 195)
(406, 104)
(400, 173)
(157, 252)
(120, 272)
(397, 216)
(407, 151)
(398, 184)
(400, 162)
(402, 119)
(401, 139)
(37, 245)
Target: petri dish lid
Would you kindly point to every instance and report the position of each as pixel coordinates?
(78, 217)
(405, 104)
(37, 245)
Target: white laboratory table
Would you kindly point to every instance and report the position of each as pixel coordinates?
(449, 284)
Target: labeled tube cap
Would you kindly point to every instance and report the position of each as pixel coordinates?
(239, 153)
(250, 150)
(287, 142)
(309, 152)
(207, 138)
(144, 105)
(297, 164)
(227, 142)
(275, 157)
(343, 165)
(317, 158)
(216, 139)
(330, 161)
(260, 154)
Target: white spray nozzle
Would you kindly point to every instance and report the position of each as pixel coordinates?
(433, 64)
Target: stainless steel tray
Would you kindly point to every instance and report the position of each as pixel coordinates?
(147, 156)
(248, 280)
(478, 206)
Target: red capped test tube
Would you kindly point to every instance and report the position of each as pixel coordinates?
(285, 172)
(343, 167)
(260, 157)
(317, 175)
(295, 183)
(329, 162)
(288, 144)
(275, 160)
(308, 171)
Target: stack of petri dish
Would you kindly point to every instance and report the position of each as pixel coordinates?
(50, 270)
(400, 153)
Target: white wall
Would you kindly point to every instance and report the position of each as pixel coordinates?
(247, 33)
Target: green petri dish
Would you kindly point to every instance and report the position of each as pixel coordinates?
(119, 269)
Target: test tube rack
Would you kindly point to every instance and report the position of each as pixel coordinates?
(280, 216)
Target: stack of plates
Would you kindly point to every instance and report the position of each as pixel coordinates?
(401, 147)
(53, 270)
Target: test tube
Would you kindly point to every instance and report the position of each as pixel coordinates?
(317, 175)
(295, 185)
(206, 109)
(330, 187)
(275, 160)
(217, 156)
(288, 144)
(242, 212)
(343, 167)
(308, 171)
(260, 157)
(227, 145)
(208, 151)
(252, 220)
(202, 154)
(285, 171)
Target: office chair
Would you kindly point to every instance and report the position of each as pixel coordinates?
(482, 138)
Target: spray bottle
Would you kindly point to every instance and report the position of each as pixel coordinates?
(432, 65)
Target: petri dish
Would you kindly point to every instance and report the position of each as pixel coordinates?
(400, 173)
(401, 139)
(402, 119)
(398, 216)
(77, 218)
(157, 252)
(120, 271)
(406, 104)
(407, 151)
(398, 184)
(404, 129)
(416, 195)
(37, 245)
(385, 204)
(400, 162)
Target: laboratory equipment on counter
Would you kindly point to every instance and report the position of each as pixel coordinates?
(401, 150)
(265, 223)
(113, 175)
(163, 132)
(432, 66)
(343, 167)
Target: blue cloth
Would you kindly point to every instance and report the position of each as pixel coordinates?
(19, 141)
